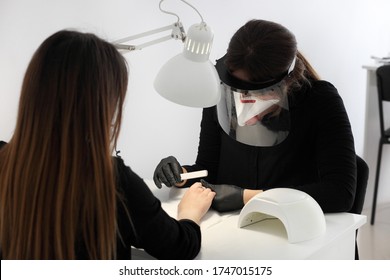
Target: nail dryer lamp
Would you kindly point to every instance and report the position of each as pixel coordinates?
(300, 214)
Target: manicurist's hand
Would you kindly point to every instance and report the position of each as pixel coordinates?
(227, 198)
(195, 203)
(168, 172)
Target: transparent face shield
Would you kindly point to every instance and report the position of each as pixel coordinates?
(256, 117)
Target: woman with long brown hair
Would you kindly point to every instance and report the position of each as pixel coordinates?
(62, 193)
(277, 125)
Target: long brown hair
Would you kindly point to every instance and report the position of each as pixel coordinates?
(265, 50)
(57, 176)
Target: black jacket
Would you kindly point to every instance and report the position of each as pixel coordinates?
(318, 156)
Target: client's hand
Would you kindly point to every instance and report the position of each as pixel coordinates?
(195, 203)
(228, 197)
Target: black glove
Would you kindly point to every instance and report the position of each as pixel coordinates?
(167, 172)
(227, 198)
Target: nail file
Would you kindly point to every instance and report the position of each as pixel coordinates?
(193, 175)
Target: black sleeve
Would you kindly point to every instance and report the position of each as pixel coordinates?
(2, 143)
(335, 152)
(209, 146)
(151, 228)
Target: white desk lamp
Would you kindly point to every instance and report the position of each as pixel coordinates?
(188, 78)
(300, 214)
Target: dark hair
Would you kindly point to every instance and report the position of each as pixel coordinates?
(265, 50)
(57, 178)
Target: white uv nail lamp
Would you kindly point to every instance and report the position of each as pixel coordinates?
(300, 214)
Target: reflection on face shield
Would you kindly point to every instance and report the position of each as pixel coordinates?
(251, 108)
(255, 117)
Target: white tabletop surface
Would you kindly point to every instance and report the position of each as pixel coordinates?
(223, 239)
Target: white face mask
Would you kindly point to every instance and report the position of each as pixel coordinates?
(249, 109)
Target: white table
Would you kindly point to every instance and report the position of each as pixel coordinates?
(223, 239)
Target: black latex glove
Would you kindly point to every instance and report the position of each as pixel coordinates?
(167, 172)
(227, 198)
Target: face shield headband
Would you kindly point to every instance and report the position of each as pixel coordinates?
(255, 114)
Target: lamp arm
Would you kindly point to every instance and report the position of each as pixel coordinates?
(177, 33)
(141, 46)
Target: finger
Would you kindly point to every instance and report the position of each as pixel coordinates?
(167, 176)
(161, 176)
(158, 176)
(211, 194)
(196, 186)
(206, 184)
(176, 170)
(157, 181)
(207, 191)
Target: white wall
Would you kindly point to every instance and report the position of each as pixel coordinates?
(337, 36)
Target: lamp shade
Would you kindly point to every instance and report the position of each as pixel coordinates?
(190, 78)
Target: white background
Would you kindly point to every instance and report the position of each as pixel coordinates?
(337, 36)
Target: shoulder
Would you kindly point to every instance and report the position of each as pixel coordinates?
(124, 173)
(319, 93)
(130, 183)
(317, 88)
(324, 88)
(326, 96)
(322, 84)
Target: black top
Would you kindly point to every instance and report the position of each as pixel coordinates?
(318, 156)
(160, 235)
(151, 228)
